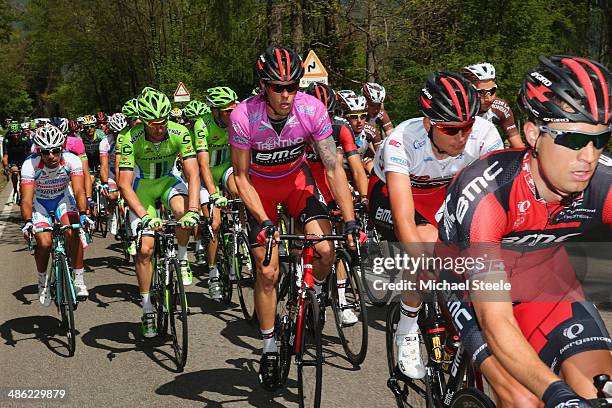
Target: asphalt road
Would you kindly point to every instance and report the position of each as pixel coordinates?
(114, 367)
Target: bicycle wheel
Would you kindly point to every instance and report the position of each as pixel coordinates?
(354, 337)
(159, 297)
(245, 277)
(225, 258)
(283, 328)
(471, 398)
(177, 302)
(374, 249)
(310, 355)
(66, 301)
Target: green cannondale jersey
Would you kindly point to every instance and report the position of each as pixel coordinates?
(151, 161)
(213, 139)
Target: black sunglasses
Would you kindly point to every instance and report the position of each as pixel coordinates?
(354, 116)
(578, 140)
(486, 92)
(55, 151)
(279, 88)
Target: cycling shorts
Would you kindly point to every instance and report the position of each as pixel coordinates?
(151, 190)
(318, 172)
(63, 205)
(299, 194)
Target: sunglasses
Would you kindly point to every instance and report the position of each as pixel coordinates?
(452, 130)
(279, 88)
(355, 116)
(47, 152)
(577, 140)
(486, 92)
(156, 123)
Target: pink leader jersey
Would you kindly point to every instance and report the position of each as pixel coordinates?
(272, 155)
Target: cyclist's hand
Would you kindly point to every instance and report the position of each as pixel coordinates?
(150, 223)
(27, 229)
(105, 188)
(190, 219)
(351, 229)
(90, 204)
(267, 230)
(560, 395)
(86, 222)
(218, 200)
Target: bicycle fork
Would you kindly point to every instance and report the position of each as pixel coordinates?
(304, 280)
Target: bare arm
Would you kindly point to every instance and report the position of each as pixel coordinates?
(359, 176)
(79, 192)
(514, 137)
(241, 161)
(130, 197)
(190, 167)
(87, 178)
(336, 177)
(204, 163)
(104, 169)
(5, 161)
(27, 196)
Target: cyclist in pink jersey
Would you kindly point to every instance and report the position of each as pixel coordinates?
(268, 135)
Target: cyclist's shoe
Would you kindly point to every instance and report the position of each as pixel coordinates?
(44, 292)
(132, 248)
(149, 325)
(80, 290)
(214, 289)
(186, 273)
(409, 355)
(200, 257)
(349, 317)
(269, 371)
(113, 225)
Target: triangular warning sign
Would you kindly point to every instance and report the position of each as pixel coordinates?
(181, 90)
(313, 66)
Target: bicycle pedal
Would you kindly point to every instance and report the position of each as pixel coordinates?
(80, 299)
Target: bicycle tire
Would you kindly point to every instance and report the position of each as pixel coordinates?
(310, 346)
(158, 297)
(371, 250)
(245, 277)
(66, 302)
(355, 351)
(178, 313)
(225, 253)
(471, 398)
(283, 329)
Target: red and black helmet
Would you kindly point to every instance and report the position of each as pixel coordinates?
(101, 117)
(448, 97)
(325, 94)
(567, 89)
(280, 63)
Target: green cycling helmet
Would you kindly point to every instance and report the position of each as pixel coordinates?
(221, 96)
(153, 104)
(14, 127)
(196, 109)
(130, 108)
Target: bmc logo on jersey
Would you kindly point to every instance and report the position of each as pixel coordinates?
(538, 239)
(279, 156)
(475, 187)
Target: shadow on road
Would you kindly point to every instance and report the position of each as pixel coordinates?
(233, 385)
(121, 292)
(113, 263)
(40, 328)
(20, 294)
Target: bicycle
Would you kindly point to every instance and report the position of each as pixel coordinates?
(167, 291)
(124, 231)
(100, 205)
(298, 325)
(60, 279)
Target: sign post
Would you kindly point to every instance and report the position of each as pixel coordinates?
(314, 71)
(181, 94)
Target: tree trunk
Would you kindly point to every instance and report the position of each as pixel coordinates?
(275, 22)
(371, 64)
(297, 19)
(331, 34)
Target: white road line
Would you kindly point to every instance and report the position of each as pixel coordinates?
(6, 210)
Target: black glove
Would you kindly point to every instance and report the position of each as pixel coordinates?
(560, 395)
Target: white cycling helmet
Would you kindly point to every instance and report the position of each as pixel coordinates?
(89, 120)
(25, 125)
(80, 120)
(117, 122)
(483, 71)
(342, 95)
(357, 103)
(49, 137)
(373, 92)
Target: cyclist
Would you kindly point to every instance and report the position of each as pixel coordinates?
(377, 115)
(558, 189)
(45, 178)
(176, 115)
(102, 125)
(147, 154)
(91, 137)
(25, 128)
(493, 108)
(268, 134)
(412, 170)
(16, 148)
(367, 137)
(212, 145)
(108, 165)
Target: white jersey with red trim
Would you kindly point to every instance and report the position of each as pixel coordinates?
(108, 148)
(408, 150)
(50, 183)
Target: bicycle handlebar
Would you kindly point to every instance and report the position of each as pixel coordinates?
(311, 238)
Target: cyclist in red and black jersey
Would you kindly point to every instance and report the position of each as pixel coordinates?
(559, 189)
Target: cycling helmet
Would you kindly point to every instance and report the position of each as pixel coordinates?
(25, 126)
(130, 108)
(60, 123)
(567, 89)
(14, 127)
(280, 63)
(101, 117)
(89, 120)
(48, 137)
(220, 96)
(373, 92)
(153, 104)
(483, 71)
(176, 112)
(80, 120)
(325, 94)
(357, 103)
(196, 109)
(117, 122)
(448, 97)
(342, 94)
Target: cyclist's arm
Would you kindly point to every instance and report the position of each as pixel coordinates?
(514, 138)
(508, 124)
(336, 177)
(190, 168)
(241, 161)
(128, 194)
(5, 161)
(204, 162)
(387, 125)
(104, 168)
(79, 191)
(27, 196)
(359, 176)
(86, 177)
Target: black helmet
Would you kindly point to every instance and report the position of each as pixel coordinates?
(280, 63)
(580, 85)
(325, 94)
(448, 97)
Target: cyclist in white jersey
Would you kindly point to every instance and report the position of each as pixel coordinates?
(109, 165)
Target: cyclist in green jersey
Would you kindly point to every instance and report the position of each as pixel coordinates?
(147, 155)
(212, 146)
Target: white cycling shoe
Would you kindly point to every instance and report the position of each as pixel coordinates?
(409, 355)
(113, 225)
(349, 317)
(44, 292)
(80, 290)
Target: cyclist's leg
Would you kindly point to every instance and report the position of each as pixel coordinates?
(67, 213)
(41, 219)
(176, 198)
(198, 231)
(15, 178)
